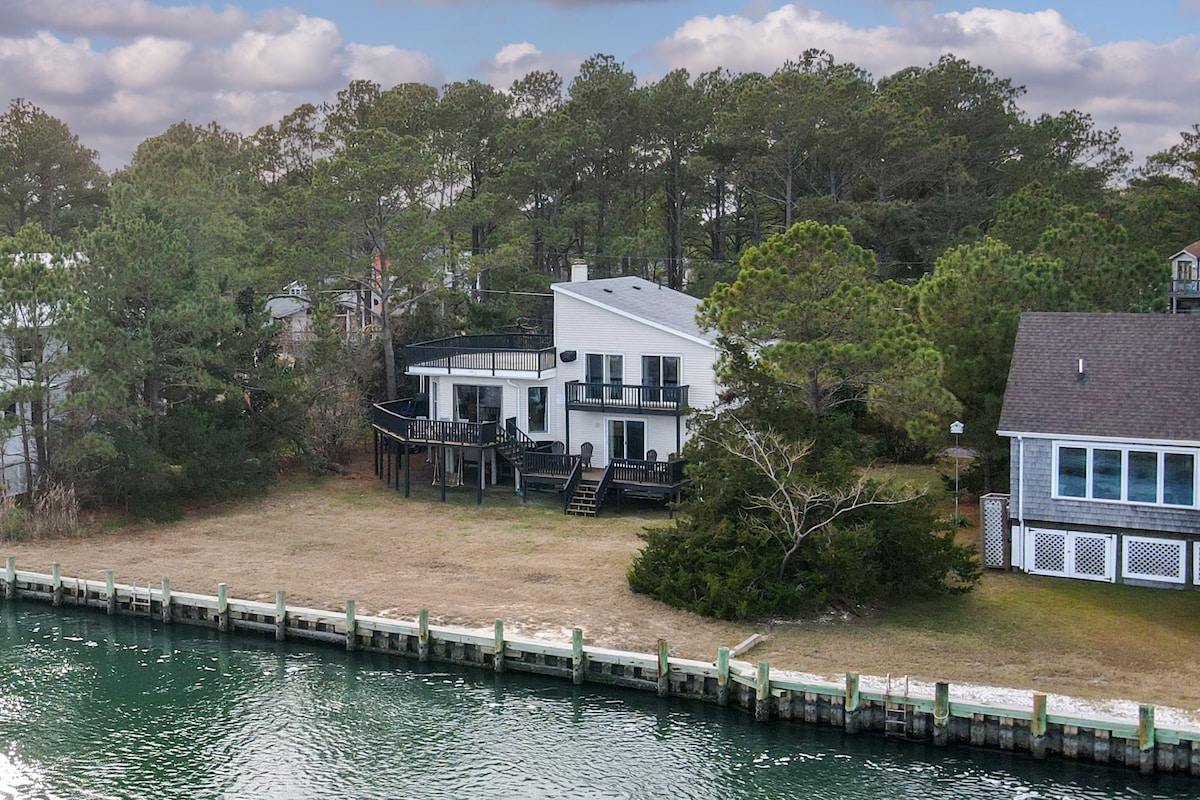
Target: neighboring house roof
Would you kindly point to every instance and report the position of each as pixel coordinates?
(644, 301)
(282, 306)
(1140, 379)
(1192, 250)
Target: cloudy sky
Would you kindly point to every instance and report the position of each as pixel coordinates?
(119, 71)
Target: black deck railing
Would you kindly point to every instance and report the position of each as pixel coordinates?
(625, 397)
(652, 473)
(517, 352)
(419, 430)
(552, 464)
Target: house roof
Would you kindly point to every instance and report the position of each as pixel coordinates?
(642, 300)
(1192, 250)
(1140, 377)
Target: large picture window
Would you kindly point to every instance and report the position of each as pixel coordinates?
(1153, 476)
(477, 403)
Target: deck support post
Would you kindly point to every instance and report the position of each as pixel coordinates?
(407, 472)
(445, 465)
(482, 478)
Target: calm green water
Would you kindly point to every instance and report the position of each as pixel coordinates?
(92, 707)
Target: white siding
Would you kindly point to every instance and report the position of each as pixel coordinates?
(586, 328)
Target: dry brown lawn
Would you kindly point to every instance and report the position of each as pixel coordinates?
(326, 541)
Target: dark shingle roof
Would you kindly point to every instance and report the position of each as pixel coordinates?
(1141, 376)
(653, 302)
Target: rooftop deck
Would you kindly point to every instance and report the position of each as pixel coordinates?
(486, 353)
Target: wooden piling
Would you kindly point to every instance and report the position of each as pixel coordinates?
(664, 668)
(222, 607)
(941, 713)
(280, 615)
(1147, 743)
(577, 660)
(351, 627)
(762, 692)
(423, 635)
(110, 589)
(166, 601)
(10, 578)
(723, 676)
(850, 711)
(56, 585)
(1037, 726)
(498, 654)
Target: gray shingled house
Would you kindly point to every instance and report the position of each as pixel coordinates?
(1101, 411)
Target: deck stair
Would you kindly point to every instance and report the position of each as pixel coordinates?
(512, 443)
(584, 502)
(895, 711)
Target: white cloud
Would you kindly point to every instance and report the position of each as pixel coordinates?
(1136, 86)
(308, 53)
(149, 62)
(119, 18)
(389, 66)
(43, 65)
(514, 61)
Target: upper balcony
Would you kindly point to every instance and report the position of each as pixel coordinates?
(1185, 288)
(527, 355)
(626, 398)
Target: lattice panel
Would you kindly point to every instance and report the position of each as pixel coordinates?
(994, 524)
(1155, 559)
(1072, 554)
(1091, 556)
(1049, 552)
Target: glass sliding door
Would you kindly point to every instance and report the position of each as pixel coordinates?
(626, 439)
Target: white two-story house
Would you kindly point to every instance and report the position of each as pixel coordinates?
(599, 405)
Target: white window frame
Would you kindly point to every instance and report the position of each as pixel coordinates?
(1125, 450)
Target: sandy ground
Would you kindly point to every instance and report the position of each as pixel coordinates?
(541, 572)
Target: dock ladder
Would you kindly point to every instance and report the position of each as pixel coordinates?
(895, 723)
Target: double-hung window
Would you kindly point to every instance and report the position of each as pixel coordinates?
(1128, 474)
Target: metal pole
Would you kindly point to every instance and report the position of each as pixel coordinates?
(956, 452)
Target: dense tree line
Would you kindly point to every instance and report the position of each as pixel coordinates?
(942, 211)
